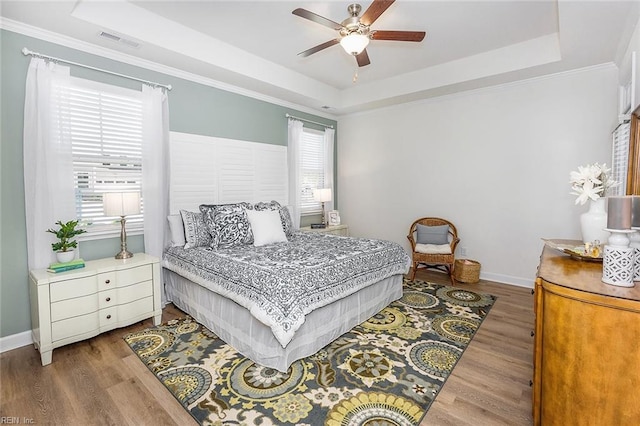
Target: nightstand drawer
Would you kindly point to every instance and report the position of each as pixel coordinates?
(107, 280)
(134, 309)
(72, 288)
(77, 306)
(74, 326)
(134, 275)
(108, 318)
(134, 292)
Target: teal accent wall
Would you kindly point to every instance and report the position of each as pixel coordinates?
(194, 108)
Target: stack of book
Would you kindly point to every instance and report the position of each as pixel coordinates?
(67, 266)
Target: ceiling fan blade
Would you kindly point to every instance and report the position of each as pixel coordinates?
(398, 35)
(376, 9)
(318, 48)
(303, 13)
(363, 58)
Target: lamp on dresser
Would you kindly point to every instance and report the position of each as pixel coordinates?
(323, 195)
(121, 204)
(635, 237)
(618, 259)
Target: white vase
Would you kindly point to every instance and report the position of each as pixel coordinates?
(65, 256)
(593, 222)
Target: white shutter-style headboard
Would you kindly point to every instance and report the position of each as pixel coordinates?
(210, 170)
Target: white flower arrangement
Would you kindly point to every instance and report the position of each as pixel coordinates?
(591, 182)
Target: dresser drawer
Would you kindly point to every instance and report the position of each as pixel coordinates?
(123, 295)
(74, 326)
(108, 318)
(69, 289)
(135, 309)
(134, 275)
(134, 292)
(107, 298)
(77, 306)
(107, 280)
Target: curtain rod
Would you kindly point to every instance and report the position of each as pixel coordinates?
(27, 52)
(308, 121)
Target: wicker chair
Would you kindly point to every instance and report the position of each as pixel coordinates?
(443, 262)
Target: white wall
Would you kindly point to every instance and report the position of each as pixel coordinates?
(626, 66)
(496, 162)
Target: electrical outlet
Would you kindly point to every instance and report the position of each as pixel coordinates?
(463, 251)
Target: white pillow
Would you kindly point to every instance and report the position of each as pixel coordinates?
(266, 227)
(176, 229)
(433, 248)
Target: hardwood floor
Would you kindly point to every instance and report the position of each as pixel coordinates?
(100, 381)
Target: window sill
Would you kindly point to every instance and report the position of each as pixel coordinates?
(110, 232)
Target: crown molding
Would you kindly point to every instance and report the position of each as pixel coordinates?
(479, 90)
(73, 43)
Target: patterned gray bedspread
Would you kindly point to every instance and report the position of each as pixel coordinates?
(281, 283)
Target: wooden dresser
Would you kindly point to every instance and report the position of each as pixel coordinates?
(587, 346)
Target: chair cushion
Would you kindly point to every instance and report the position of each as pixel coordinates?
(433, 248)
(433, 234)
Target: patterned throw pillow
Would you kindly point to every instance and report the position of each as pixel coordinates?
(285, 217)
(227, 224)
(195, 231)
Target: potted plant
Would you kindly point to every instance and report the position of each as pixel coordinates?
(65, 246)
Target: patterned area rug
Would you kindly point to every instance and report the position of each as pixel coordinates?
(386, 371)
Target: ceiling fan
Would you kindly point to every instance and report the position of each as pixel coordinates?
(355, 31)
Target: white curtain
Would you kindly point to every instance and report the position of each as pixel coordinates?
(294, 149)
(329, 136)
(155, 170)
(48, 163)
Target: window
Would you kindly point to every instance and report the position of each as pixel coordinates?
(312, 170)
(104, 125)
(620, 158)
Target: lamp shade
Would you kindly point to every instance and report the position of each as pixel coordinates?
(354, 43)
(322, 195)
(121, 203)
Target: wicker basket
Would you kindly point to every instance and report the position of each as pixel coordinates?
(467, 271)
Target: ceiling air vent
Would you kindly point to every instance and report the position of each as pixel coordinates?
(118, 39)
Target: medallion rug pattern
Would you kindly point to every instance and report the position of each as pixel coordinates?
(387, 370)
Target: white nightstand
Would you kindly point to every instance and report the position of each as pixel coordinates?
(334, 230)
(67, 307)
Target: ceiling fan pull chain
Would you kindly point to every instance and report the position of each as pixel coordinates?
(355, 76)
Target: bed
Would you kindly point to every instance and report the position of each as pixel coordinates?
(277, 301)
(280, 302)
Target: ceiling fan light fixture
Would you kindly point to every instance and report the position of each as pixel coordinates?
(354, 43)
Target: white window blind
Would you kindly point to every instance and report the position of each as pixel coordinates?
(620, 158)
(312, 170)
(211, 170)
(104, 125)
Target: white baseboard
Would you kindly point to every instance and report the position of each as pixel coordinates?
(508, 279)
(14, 341)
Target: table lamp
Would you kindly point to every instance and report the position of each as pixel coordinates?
(121, 204)
(323, 195)
(618, 258)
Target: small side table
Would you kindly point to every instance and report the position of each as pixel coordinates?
(67, 307)
(342, 230)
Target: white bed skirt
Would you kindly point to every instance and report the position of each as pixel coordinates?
(238, 328)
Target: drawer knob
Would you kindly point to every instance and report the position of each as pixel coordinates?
(108, 299)
(533, 334)
(109, 316)
(533, 291)
(107, 281)
(530, 382)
